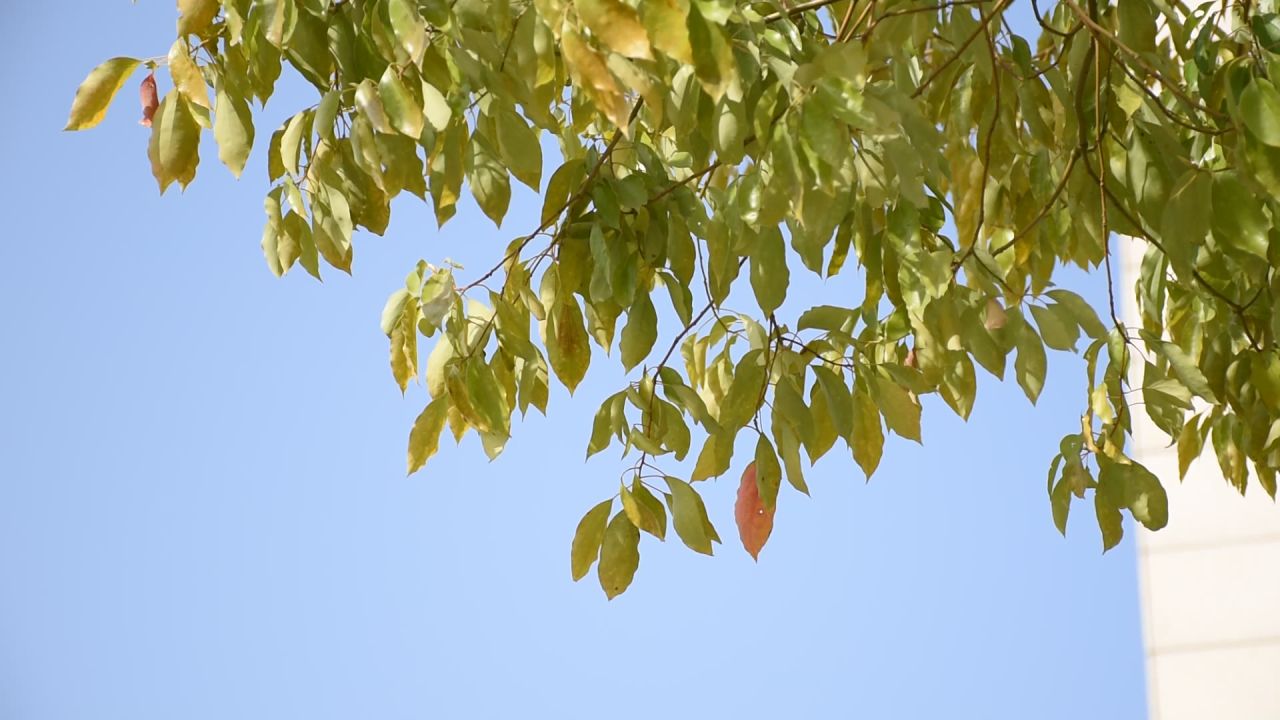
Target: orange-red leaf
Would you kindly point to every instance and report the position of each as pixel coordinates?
(149, 97)
(755, 521)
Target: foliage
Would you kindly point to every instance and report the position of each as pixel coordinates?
(950, 162)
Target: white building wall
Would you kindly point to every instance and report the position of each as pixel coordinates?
(1210, 580)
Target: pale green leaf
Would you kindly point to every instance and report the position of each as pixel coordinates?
(689, 516)
(588, 538)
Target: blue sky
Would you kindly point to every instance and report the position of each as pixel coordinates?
(204, 513)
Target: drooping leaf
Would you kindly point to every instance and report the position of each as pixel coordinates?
(689, 516)
(588, 538)
(617, 25)
(174, 149)
(755, 520)
(424, 440)
(619, 555)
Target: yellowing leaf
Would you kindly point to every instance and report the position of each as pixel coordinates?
(666, 21)
(435, 106)
(175, 143)
(187, 78)
(644, 510)
(619, 556)
(424, 439)
(409, 27)
(567, 348)
(587, 539)
(617, 25)
(94, 95)
(401, 107)
(591, 73)
(194, 16)
(233, 129)
(404, 344)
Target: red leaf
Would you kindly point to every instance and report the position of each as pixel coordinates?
(150, 98)
(755, 522)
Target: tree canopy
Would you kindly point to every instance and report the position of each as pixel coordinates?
(708, 151)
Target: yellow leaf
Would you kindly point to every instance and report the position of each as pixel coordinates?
(617, 25)
(194, 16)
(94, 95)
(186, 76)
(590, 73)
(667, 22)
(175, 142)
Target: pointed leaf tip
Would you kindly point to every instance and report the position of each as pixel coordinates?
(755, 521)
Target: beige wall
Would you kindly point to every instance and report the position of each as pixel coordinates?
(1210, 582)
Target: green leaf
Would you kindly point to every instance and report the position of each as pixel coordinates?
(1109, 520)
(94, 95)
(174, 149)
(563, 182)
(789, 451)
(1060, 503)
(838, 404)
(410, 30)
(436, 107)
(401, 107)
(232, 128)
(1260, 110)
(769, 273)
(1265, 376)
(867, 440)
(1081, 312)
(1186, 371)
(644, 510)
(1031, 363)
(489, 184)
(487, 398)
(768, 472)
(901, 412)
(689, 516)
(369, 102)
(567, 347)
(619, 556)
(640, 332)
(424, 439)
(1138, 25)
(520, 148)
(1190, 442)
(742, 400)
(608, 420)
(588, 538)
(715, 457)
(1056, 327)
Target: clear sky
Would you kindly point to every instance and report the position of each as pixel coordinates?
(204, 513)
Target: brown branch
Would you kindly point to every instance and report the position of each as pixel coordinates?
(1044, 210)
(1100, 32)
(982, 27)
